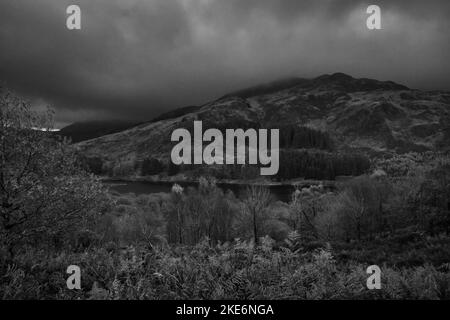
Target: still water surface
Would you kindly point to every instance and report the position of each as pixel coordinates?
(282, 193)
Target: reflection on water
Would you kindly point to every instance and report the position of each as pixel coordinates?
(282, 193)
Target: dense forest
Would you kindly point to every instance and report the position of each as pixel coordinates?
(301, 137)
(294, 163)
(305, 153)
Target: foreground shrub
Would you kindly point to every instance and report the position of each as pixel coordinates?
(226, 271)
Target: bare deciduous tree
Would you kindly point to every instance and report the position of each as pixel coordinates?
(256, 202)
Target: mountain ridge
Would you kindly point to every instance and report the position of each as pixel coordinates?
(363, 115)
(86, 130)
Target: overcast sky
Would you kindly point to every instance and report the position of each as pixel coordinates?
(134, 59)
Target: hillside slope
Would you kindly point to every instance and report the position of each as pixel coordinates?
(80, 131)
(359, 114)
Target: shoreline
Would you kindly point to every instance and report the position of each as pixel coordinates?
(236, 182)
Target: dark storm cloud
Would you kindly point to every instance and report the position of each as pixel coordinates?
(136, 58)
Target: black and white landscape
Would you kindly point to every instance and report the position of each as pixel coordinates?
(359, 206)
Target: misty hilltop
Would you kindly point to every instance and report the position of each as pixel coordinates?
(357, 115)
